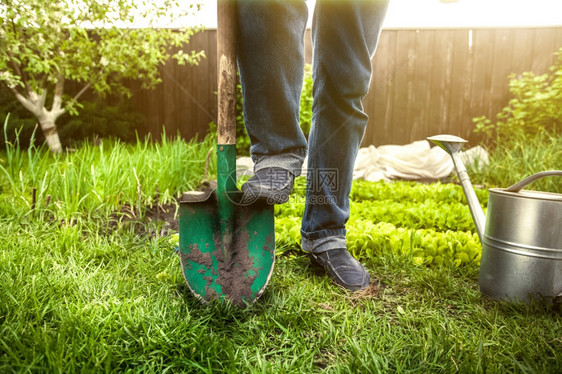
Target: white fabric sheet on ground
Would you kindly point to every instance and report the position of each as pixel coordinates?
(417, 160)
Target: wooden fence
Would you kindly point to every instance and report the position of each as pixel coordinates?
(425, 82)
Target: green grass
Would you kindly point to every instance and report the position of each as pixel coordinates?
(79, 294)
(77, 300)
(97, 180)
(521, 156)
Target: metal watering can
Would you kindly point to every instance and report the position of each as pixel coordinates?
(521, 237)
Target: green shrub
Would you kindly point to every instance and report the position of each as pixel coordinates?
(100, 119)
(110, 117)
(535, 106)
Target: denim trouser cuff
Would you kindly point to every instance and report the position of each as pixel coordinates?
(288, 161)
(322, 244)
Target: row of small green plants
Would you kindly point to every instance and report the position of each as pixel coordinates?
(430, 223)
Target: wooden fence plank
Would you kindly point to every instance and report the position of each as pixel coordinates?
(481, 74)
(522, 47)
(442, 67)
(543, 50)
(425, 41)
(378, 103)
(500, 70)
(558, 43)
(400, 102)
(411, 66)
(459, 79)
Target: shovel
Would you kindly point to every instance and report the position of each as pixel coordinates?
(227, 244)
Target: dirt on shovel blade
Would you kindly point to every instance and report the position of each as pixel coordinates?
(233, 275)
(247, 257)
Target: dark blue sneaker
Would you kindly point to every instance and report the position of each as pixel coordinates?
(343, 268)
(270, 184)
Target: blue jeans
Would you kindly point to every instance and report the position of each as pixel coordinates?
(271, 63)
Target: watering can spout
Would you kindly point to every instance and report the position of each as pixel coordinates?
(452, 145)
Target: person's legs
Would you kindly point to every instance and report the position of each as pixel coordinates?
(345, 35)
(271, 63)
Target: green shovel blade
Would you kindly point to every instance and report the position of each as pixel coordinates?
(240, 275)
(227, 246)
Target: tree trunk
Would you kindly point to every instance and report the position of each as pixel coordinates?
(35, 103)
(51, 134)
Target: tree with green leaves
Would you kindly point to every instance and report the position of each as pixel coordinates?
(97, 44)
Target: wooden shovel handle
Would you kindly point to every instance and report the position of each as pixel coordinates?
(226, 64)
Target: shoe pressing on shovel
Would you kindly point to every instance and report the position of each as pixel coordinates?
(227, 245)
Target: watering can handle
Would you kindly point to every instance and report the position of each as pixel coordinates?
(519, 185)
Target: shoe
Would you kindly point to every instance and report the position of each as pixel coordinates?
(270, 184)
(343, 268)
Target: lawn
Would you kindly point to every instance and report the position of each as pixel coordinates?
(91, 281)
